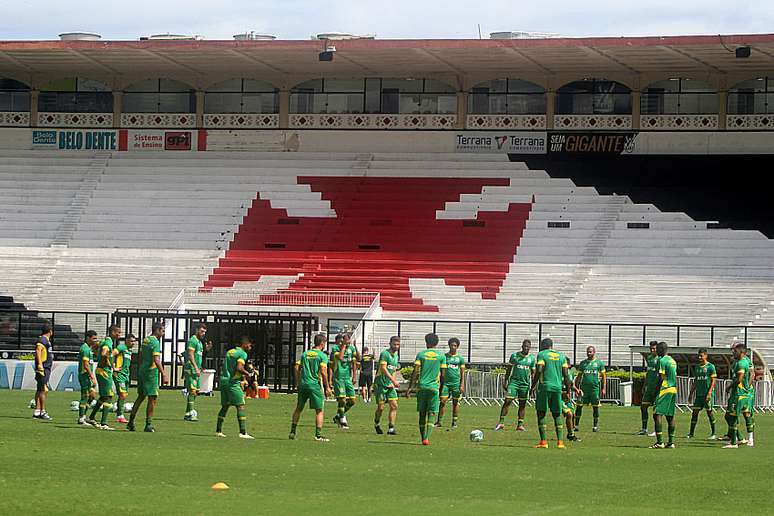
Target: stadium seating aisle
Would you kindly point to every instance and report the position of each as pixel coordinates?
(439, 236)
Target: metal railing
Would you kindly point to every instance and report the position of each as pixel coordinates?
(275, 297)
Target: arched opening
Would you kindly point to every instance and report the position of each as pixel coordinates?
(679, 96)
(241, 96)
(373, 95)
(75, 95)
(159, 95)
(752, 97)
(594, 97)
(14, 96)
(507, 97)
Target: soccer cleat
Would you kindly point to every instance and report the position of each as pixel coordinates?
(652, 434)
(560, 445)
(336, 418)
(391, 431)
(751, 443)
(643, 431)
(121, 419)
(425, 442)
(725, 438)
(44, 416)
(343, 423)
(246, 436)
(574, 438)
(106, 427)
(291, 436)
(658, 446)
(499, 426)
(595, 429)
(221, 434)
(83, 422)
(130, 426)
(730, 446)
(713, 437)
(742, 441)
(321, 439)
(670, 446)
(576, 429)
(454, 425)
(437, 424)
(689, 436)
(149, 429)
(94, 423)
(378, 429)
(542, 444)
(521, 428)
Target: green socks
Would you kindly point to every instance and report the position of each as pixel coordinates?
(242, 418)
(559, 427)
(429, 427)
(711, 417)
(317, 431)
(644, 415)
(423, 425)
(750, 422)
(221, 417)
(672, 425)
(82, 406)
(578, 414)
(542, 427)
(189, 406)
(694, 420)
(105, 410)
(732, 429)
(520, 422)
(659, 433)
(293, 427)
(596, 416)
(120, 409)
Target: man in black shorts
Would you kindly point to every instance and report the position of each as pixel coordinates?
(366, 367)
(44, 357)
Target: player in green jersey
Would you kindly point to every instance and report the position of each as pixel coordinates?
(386, 386)
(649, 387)
(233, 372)
(551, 375)
(703, 393)
(122, 362)
(105, 376)
(192, 370)
(569, 407)
(741, 397)
(516, 384)
(428, 375)
(453, 383)
(148, 376)
(309, 370)
(86, 376)
(666, 402)
(344, 356)
(591, 381)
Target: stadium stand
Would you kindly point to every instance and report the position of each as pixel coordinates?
(438, 236)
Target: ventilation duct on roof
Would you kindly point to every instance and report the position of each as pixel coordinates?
(252, 36)
(79, 36)
(520, 34)
(341, 36)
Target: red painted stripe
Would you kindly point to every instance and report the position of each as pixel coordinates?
(201, 140)
(123, 139)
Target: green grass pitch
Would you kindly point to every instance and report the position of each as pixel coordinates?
(60, 468)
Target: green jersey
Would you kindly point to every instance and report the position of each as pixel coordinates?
(454, 366)
(311, 363)
(744, 365)
(391, 362)
(703, 378)
(651, 376)
(342, 369)
(105, 358)
(150, 349)
(521, 372)
(591, 372)
(85, 357)
(122, 361)
(230, 373)
(667, 367)
(430, 363)
(554, 364)
(195, 345)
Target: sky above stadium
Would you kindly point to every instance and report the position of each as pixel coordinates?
(299, 19)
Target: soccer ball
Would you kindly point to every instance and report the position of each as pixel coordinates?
(93, 403)
(194, 413)
(32, 404)
(476, 436)
(128, 406)
(114, 408)
(74, 405)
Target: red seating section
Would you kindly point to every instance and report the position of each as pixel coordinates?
(385, 233)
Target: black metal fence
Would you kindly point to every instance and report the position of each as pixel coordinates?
(19, 330)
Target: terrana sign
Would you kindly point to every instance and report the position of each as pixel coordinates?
(501, 143)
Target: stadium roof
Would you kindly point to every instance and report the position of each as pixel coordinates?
(555, 56)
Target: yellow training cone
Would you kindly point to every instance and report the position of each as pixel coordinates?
(220, 486)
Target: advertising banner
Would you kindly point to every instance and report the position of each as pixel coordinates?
(20, 375)
(502, 143)
(591, 143)
(75, 139)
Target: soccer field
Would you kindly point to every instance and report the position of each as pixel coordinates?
(61, 468)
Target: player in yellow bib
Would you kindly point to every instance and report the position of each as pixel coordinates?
(666, 401)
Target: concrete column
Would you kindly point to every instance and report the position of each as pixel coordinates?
(462, 110)
(550, 108)
(34, 94)
(199, 109)
(636, 109)
(118, 108)
(284, 109)
(722, 109)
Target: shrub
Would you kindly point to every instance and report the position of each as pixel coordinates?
(497, 370)
(27, 356)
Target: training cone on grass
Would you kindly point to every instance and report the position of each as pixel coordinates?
(219, 486)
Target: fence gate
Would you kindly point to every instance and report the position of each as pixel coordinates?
(278, 339)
